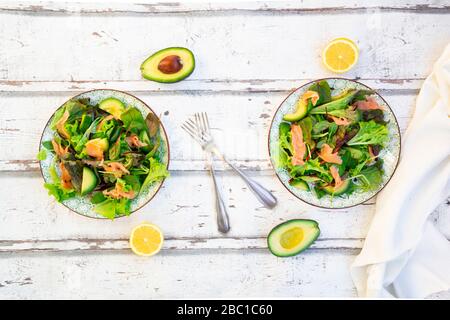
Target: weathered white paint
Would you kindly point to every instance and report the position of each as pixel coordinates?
(175, 275)
(227, 46)
(169, 244)
(194, 85)
(249, 56)
(145, 6)
(240, 124)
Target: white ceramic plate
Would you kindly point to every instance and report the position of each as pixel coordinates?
(390, 154)
(82, 205)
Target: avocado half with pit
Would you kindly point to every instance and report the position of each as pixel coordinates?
(292, 237)
(169, 65)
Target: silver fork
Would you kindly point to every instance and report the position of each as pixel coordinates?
(199, 129)
(223, 222)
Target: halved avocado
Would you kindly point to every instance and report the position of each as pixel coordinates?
(299, 184)
(169, 65)
(89, 181)
(113, 106)
(292, 237)
(338, 191)
(302, 110)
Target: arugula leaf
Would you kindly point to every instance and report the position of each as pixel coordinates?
(157, 172)
(331, 131)
(321, 126)
(370, 133)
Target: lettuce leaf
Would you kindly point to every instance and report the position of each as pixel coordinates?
(157, 172)
(370, 133)
(42, 155)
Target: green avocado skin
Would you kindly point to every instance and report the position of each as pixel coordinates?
(338, 191)
(291, 223)
(183, 74)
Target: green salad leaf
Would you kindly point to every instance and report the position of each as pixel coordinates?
(106, 158)
(370, 133)
(340, 144)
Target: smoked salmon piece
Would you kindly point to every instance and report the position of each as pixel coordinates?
(313, 95)
(298, 145)
(340, 121)
(66, 179)
(59, 150)
(116, 168)
(327, 155)
(369, 104)
(118, 192)
(133, 141)
(337, 178)
(60, 125)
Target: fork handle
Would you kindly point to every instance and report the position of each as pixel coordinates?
(223, 223)
(263, 195)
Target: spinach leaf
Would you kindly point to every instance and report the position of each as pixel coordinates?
(133, 120)
(324, 91)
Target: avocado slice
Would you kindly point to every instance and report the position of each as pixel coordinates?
(169, 65)
(112, 106)
(292, 237)
(299, 184)
(89, 181)
(302, 110)
(338, 191)
(338, 104)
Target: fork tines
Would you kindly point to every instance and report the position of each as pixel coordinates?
(198, 127)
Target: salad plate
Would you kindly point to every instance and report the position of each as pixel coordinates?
(104, 154)
(334, 143)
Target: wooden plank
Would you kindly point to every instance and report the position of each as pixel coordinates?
(246, 117)
(197, 85)
(248, 274)
(96, 47)
(152, 7)
(100, 245)
(29, 214)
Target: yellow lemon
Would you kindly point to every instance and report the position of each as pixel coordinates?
(146, 240)
(340, 55)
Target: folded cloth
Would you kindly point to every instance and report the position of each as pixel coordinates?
(404, 255)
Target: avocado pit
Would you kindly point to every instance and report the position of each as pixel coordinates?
(170, 64)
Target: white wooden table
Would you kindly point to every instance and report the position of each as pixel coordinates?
(249, 57)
